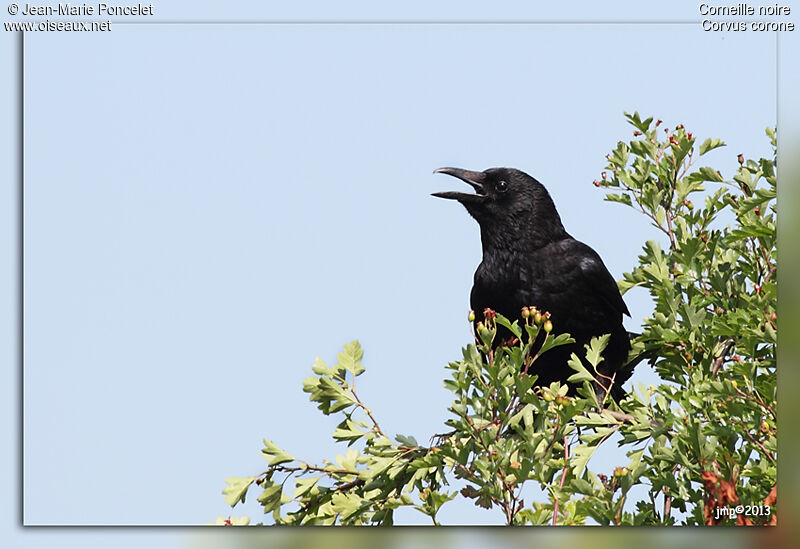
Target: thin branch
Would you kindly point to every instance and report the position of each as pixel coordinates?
(477, 432)
(667, 507)
(627, 418)
(309, 467)
(368, 412)
(666, 231)
(757, 399)
(349, 485)
(769, 274)
(722, 356)
(563, 476)
(536, 356)
(756, 442)
(553, 440)
(670, 234)
(688, 165)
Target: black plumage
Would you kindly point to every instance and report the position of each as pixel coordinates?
(529, 259)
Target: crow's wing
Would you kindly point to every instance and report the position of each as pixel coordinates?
(596, 274)
(572, 271)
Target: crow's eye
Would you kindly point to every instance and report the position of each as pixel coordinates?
(501, 186)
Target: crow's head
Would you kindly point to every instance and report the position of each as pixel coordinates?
(507, 201)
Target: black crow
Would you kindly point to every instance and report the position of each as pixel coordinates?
(530, 260)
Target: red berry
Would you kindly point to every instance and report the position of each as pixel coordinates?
(758, 211)
(603, 175)
(596, 183)
(774, 316)
(637, 132)
(740, 158)
(658, 122)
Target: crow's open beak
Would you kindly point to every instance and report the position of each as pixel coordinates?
(475, 179)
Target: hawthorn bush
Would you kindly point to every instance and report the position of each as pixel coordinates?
(702, 442)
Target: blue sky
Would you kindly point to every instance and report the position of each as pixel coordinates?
(210, 207)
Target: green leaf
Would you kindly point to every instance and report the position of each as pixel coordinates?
(320, 368)
(236, 489)
(348, 430)
(303, 485)
(637, 122)
(515, 419)
(350, 358)
(409, 441)
(582, 373)
(580, 458)
(270, 498)
(710, 144)
(595, 348)
(278, 456)
(596, 437)
(636, 458)
(582, 486)
(557, 341)
(595, 419)
(621, 198)
(705, 174)
(512, 327)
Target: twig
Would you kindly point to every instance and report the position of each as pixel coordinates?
(553, 440)
(670, 234)
(627, 418)
(309, 467)
(721, 358)
(563, 476)
(477, 432)
(536, 356)
(769, 274)
(368, 412)
(688, 165)
(668, 497)
(756, 442)
(757, 399)
(351, 484)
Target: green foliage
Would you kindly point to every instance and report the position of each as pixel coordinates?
(702, 440)
(713, 329)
